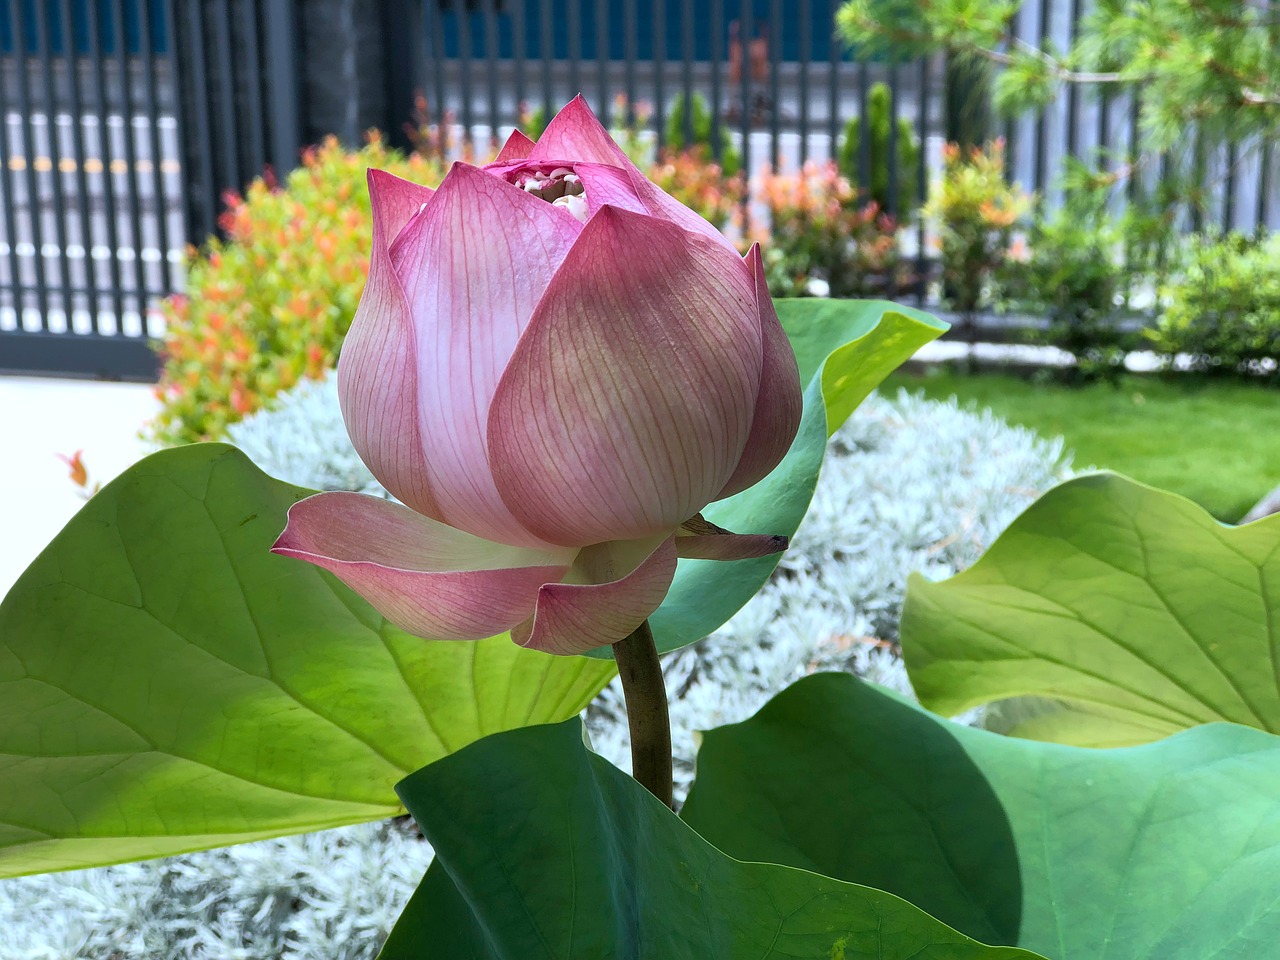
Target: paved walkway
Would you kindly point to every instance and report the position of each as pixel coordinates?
(41, 418)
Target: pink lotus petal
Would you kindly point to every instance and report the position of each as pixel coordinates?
(627, 402)
(422, 575)
(628, 188)
(623, 590)
(728, 546)
(473, 268)
(780, 403)
(377, 373)
(517, 147)
(574, 134)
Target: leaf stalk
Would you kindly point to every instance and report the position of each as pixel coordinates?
(647, 714)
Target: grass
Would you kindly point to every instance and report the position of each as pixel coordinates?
(1212, 441)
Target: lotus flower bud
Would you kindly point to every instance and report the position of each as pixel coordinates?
(554, 367)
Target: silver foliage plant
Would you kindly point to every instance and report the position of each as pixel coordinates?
(908, 484)
(319, 896)
(302, 440)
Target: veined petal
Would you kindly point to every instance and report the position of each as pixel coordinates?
(574, 134)
(628, 188)
(424, 576)
(517, 147)
(780, 402)
(623, 589)
(627, 402)
(473, 268)
(700, 539)
(377, 374)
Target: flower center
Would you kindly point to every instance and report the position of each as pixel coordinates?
(560, 187)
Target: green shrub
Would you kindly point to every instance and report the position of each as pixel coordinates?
(1149, 238)
(674, 134)
(700, 185)
(975, 211)
(1224, 311)
(271, 303)
(879, 160)
(1153, 243)
(533, 122)
(1071, 276)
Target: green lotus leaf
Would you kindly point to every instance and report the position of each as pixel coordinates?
(547, 852)
(166, 684)
(1132, 610)
(844, 348)
(1167, 850)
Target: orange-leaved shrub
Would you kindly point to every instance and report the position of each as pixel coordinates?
(269, 304)
(700, 185)
(822, 228)
(975, 209)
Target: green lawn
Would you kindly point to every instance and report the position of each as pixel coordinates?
(1215, 442)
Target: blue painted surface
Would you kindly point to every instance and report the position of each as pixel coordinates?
(83, 15)
(822, 26)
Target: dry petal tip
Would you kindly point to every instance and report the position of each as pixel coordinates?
(700, 539)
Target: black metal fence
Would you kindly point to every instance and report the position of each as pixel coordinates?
(125, 120)
(90, 183)
(781, 85)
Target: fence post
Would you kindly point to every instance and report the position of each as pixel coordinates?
(967, 100)
(361, 64)
(237, 99)
(281, 42)
(402, 64)
(323, 67)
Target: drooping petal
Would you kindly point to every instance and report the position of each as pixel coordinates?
(628, 188)
(517, 147)
(377, 372)
(729, 546)
(473, 268)
(780, 403)
(621, 593)
(424, 576)
(574, 134)
(700, 539)
(627, 403)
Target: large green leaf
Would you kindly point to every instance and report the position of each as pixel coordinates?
(845, 348)
(1166, 851)
(547, 852)
(1134, 608)
(166, 684)
(854, 344)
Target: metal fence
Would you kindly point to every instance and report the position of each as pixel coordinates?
(124, 123)
(781, 86)
(92, 227)
(125, 120)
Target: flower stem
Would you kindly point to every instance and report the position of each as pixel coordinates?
(646, 697)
